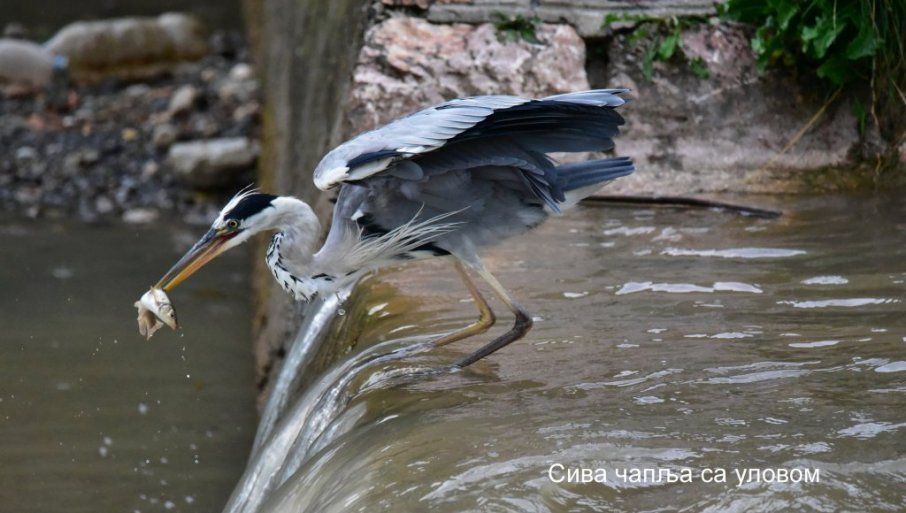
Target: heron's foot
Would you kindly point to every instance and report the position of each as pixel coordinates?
(522, 326)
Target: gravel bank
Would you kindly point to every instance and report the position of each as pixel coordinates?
(101, 150)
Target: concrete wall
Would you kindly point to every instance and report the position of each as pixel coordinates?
(306, 50)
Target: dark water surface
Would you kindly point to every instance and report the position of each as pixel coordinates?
(664, 339)
(94, 418)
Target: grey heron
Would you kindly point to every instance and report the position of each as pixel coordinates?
(445, 181)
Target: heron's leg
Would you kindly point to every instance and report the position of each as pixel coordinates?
(486, 317)
(522, 325)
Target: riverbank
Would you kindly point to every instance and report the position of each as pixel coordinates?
(119, 146)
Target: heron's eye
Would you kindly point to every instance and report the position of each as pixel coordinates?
(232, 224)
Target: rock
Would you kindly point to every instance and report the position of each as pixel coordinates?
(246, 111)
(103, 205)
(205, 127)
(140, 215)
(129, 134)
(129, 47)
(88, 157)
(24, 62)
(137, 90)
(725, 133)
(241, 71)
(149, 169)
(408, 63)
(183, 100)
(237, 90)
(26, 154)
(212, 163)
(164, 135)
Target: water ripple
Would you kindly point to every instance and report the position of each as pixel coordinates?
(849, 302)
(628, 231)
(870, 429)
(735, 252)
(755, 377)
(825, 280)
(684, 288)
(628, 382)
(820, 343)
(892, 367)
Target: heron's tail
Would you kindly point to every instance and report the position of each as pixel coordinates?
(581, 179)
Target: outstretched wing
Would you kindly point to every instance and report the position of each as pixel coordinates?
(572, 122)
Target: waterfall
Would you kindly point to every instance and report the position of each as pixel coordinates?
(290, 431)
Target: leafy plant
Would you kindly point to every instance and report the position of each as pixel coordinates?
(842, 42)
(839, 37)
(518, 27)
(664, 39)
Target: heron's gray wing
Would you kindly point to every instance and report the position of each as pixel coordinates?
(570, 122)
(510, 160)
(423, 131)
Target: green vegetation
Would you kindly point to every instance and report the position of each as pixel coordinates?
(516, 28)
(841, 38)
(842, 42)
(663, 40)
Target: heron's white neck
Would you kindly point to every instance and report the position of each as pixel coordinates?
(292, 248)
(300, 228)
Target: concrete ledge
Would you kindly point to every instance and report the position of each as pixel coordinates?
(587, 16)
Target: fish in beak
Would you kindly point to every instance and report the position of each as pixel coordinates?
(155, 310)
(154, 307)
(212, 244)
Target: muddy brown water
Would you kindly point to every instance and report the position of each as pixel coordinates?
(664, 340)
(94, 418)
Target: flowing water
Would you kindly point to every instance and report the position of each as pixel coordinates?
(664, 340)
(93, 418)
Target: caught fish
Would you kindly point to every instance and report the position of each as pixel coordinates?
(155, 310)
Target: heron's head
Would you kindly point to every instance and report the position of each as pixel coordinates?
(248, 213)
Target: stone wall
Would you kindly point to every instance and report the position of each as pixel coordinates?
(407, 63)
(725, 133)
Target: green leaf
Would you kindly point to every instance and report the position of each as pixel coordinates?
(786, 9)
(746, 11)
(648, 62)
(668, 46)
(821, 36)
(639, 34)
(864, 45)
(837, 69)
(760, 41)
(699, 68)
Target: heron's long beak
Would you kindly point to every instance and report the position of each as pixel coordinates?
(205, 250)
